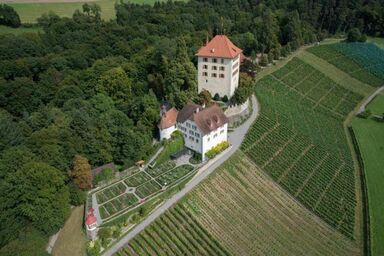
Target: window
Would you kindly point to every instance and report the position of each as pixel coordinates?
(205, 74)
(194, 127)
(222, 131)
(215, 135)
(222, 68)
(221, 75)
(208, 139)
(214, 67)
(191, 132)
(235, 65)
(214, 75)
(222, 61)
(235, 72)
(188, 125)
(197, 141)
(197, 135)
(214, 60)
(205, 59)
(205, 66)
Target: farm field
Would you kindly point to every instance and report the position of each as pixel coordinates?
(300, 142)
(239, 210)
(138, 187)
(363, 61)
(370, 138)
(20, 30)
(29, 11)
(377, 40)
(377, 105)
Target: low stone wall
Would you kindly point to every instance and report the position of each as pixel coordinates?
(237, 113)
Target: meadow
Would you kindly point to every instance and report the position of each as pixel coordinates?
(370, 138)
(29, 11)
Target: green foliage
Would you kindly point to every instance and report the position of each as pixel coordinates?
(116, 84)
(365, 114)
(8, 16)
(105, 175)
(76, 196)
(217, 149)
(29, 242)
(93, 248)
(354, 35)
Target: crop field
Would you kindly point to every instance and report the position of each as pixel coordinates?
(239, 210)
(370, 138)
(160, 169)
(300, 142)
(137, 179)
(363, 61)
(148, 189)
(110, 192)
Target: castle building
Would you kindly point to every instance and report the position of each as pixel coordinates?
(91, 225)
(219, 66)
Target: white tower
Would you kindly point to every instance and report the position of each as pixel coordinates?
(219, 66)
(91, 225)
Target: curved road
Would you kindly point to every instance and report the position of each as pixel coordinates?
(235, 138)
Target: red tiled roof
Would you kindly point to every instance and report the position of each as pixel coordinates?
(90, 219)
(168, 119)
(206, 119)
(221, 47)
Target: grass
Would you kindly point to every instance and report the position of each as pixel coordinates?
(172, 146)
(370, 137)
(379, 41)
(377, 105)
(29, 12)
(71, 240)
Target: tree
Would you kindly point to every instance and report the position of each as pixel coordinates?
(8, 16)
(35, 194)
(10, 132)
(205, 98)
(354, 35)
(81, 173)
(116, 84)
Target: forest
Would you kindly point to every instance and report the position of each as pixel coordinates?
(90, 89)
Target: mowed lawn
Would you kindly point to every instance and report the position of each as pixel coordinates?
(370, 136)
(377, 40)
(30, 11)
(71, 240)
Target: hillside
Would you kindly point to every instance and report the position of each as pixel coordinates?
(292, 189)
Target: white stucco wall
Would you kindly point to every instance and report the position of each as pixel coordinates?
(166, 133)
(222, 86)
(192, 135)
(215, 137)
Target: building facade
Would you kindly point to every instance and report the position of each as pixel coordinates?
(202, 128)
(167, 123)
(91, 225)
(219, 66)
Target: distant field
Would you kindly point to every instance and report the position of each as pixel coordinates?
(370, 137)
(239, 210)
(363, 61)
(29, 11)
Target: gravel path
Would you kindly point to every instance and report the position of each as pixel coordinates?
(235, 138)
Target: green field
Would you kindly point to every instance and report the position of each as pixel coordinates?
(377, 40)
(370, 137)
(239, 210)
(29, 12)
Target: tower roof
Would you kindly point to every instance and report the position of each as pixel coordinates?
(91, 219)
(221, 47)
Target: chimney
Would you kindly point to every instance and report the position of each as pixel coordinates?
(197, 110)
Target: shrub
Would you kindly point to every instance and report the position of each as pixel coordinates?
(105, 175)
(354, 35)
(365, 114)
(76, 196)
(225, 98)
(216, 97)
(93, 248)
(217, 149)
(264, 61)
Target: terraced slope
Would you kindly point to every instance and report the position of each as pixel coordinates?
(300, 142)
(239, 211)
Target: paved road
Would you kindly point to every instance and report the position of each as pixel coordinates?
(235, 138)
(370, 98)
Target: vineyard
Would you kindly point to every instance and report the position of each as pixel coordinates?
(138, 187)
(239, 211)
(300, 142)
(363, 61)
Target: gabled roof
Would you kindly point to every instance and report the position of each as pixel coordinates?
(221, 47)
(168, 119)
(206, 119)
